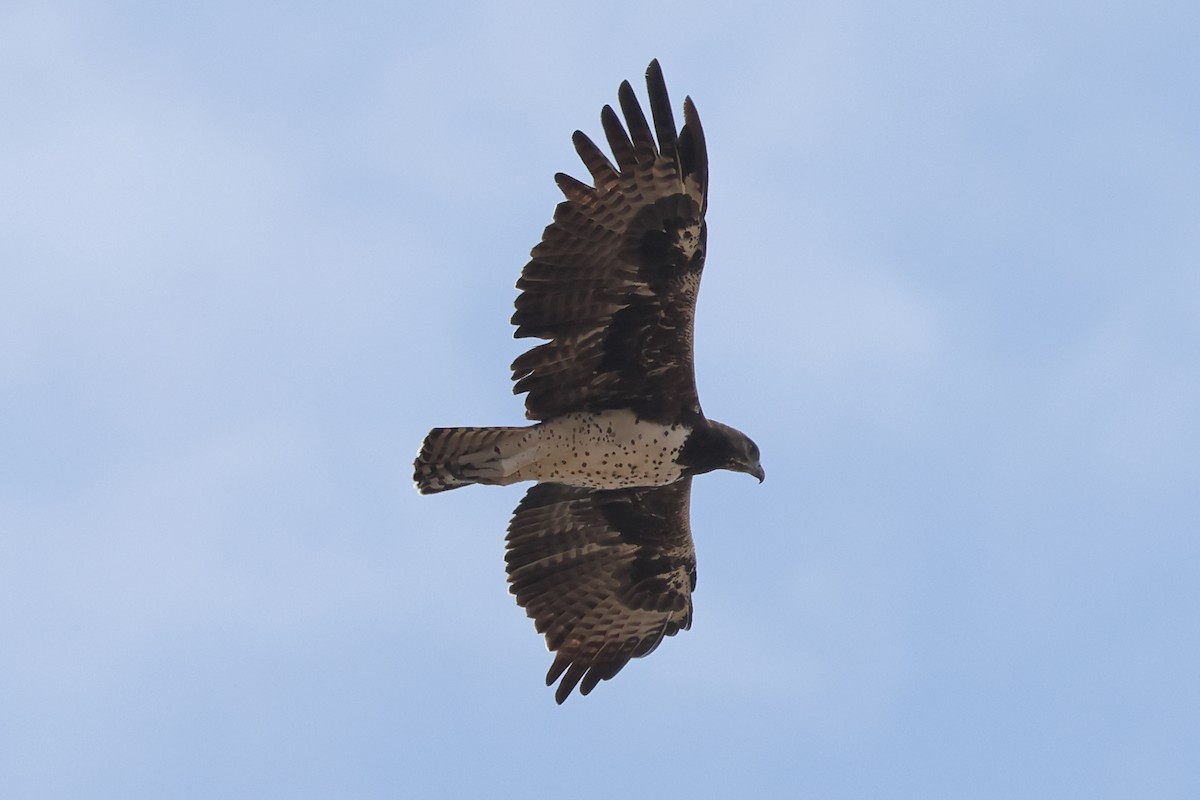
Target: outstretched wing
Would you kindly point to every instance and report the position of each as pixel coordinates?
(613, 282)
(605, 574)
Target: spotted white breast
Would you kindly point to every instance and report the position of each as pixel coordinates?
(608, 450)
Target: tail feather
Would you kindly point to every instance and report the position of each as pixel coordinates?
(454, 457)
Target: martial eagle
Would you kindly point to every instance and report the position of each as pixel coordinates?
(600, 551)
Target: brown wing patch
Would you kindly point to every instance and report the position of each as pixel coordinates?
(604, 574)
(613, 283)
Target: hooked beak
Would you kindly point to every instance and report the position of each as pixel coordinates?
(756, 470)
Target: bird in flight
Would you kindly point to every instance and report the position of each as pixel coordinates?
(600, 551)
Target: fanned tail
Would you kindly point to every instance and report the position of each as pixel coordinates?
(454, 457)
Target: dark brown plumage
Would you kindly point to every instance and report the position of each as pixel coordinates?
(613, 283)
(600, 552)
(604, 574)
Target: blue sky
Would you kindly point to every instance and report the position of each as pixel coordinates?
(252, 253)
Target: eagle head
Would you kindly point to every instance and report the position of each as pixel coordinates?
(714, 445)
